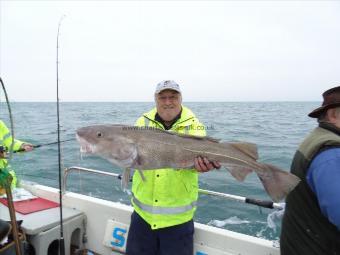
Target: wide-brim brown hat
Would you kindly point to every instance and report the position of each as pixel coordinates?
(331, 99)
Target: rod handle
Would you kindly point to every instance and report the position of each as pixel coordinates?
(262, 203)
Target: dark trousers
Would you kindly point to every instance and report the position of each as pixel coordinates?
(142, 239)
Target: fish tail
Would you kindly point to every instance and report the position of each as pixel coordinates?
(278, 183)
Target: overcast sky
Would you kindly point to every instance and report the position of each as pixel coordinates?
(216, 51)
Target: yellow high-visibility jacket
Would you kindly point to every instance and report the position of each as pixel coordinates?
(6, 141)
(168, 197)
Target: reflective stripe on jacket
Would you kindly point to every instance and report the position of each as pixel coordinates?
(167, 197)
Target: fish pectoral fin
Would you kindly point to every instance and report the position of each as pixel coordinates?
(239, 172)
(126, 178)
(138, 161)
(141, 175)
(250, 149)
(278, 183)
(127, 156)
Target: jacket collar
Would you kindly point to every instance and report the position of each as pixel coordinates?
(186, 115)
(330, 127)
(160, 120)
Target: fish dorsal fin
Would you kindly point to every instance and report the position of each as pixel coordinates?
(249, 149)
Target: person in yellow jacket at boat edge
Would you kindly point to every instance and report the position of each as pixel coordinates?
(165, 203)
(5, 144)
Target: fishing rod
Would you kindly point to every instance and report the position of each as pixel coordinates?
(10, 119)
(262, 203)
(61, 241)
(45, 144)
(8, 181)
(3, 149)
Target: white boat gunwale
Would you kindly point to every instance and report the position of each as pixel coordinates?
(208, 240)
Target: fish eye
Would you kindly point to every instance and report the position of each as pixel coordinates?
(99, 134)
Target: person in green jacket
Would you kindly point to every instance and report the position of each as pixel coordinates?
(164, 204)
(5, 145)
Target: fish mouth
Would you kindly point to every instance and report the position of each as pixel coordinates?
(85, 146)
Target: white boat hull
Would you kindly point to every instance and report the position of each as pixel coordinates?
(107, 228)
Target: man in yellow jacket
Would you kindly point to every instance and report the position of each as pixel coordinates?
(164, 204)
(5, 145)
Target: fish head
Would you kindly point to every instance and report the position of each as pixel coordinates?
(108, 141)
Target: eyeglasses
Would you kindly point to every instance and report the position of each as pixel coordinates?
(170, 98)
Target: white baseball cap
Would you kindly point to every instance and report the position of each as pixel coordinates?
(168, 84)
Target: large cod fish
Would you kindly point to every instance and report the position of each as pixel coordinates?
(144, 148)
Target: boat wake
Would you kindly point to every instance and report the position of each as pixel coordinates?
(234, 220)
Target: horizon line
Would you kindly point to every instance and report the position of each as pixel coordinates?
(250, 101)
